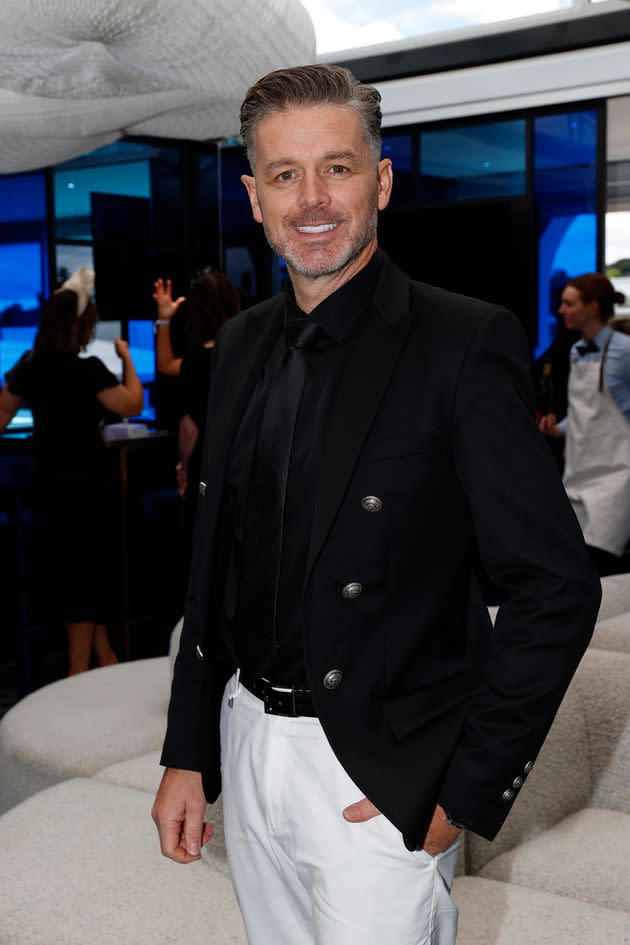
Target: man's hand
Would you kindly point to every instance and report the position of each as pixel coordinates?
(549, 425)
(440, 834)
(438, 837)
(163, 296)
(178, 812)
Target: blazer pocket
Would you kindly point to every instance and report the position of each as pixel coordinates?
(413, 710)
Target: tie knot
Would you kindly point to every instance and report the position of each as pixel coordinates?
(301, 333)
(589, 348)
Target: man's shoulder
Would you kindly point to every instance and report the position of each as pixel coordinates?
(259, 316)
(435, 307)
(454, 317)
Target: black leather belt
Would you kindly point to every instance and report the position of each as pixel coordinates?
(281, 700)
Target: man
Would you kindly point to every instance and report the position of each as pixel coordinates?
(370, 442)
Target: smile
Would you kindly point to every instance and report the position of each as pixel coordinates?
(322, 228)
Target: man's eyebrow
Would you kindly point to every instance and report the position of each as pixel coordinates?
(329, 156)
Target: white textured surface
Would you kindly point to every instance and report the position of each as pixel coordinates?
(492, 913)
(77, 726)
(173, 647)
(81, 865)
(583, 857)
(75, 76)
(613, 634)
(615, 596)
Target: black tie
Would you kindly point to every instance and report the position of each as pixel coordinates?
(590, 348)
(262, 539)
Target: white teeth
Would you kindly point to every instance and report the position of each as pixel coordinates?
(323, 228)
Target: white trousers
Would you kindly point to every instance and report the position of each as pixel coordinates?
(303, 875)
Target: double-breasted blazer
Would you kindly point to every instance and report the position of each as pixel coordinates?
(434, 418)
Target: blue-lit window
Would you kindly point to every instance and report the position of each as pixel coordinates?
(73, 188)
(473, 162)
(141, 347)
(565, 194)
(21, 281)
(23, 262)
(14, 341)
(22, 197)
(399, 149)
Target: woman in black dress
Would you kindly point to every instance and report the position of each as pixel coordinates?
(73, 486)
(211, 301)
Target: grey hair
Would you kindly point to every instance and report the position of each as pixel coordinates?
(310, 86)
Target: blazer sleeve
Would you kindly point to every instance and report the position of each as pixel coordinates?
(182, 746)
(531, 546)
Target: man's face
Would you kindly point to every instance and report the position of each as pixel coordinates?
(317, 189)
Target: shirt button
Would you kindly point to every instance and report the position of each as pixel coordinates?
(528, 767)
(333, 678)
(508, 795)
(372, 503)
(352, 591)
(517, 783)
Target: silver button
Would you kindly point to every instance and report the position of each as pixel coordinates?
(198, 652)
(528, 767)
(202, 488)
(508, 795)
(372, 503)
(333, 678)
(353, 590)
(517, 783)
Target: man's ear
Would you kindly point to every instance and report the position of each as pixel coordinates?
(250, 187)
(385, 180)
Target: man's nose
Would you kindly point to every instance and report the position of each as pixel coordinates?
(313, 192)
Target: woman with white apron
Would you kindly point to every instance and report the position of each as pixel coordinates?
(597, 426)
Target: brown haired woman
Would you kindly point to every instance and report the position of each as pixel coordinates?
(597, 426)
(73, 490)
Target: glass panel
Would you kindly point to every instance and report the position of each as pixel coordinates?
(473, 162)
(206, 212)
(618, 198)
(618, 255)
(69, 258)
(565, 196)
(142, 349)
(21, 282)
(23, 248)
(343, 24)
(399, 149)
(14, 341)
(102, 346)
(247, 258)
(22, 197)
(73, 190)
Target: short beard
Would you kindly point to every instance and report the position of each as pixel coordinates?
(365, 236)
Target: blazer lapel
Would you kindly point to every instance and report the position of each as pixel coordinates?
(358, 397)
(255, 347)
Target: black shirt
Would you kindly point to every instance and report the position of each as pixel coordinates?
(339, 318)
(60, 389)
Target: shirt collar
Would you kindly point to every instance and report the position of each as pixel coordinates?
(602, 337)
(338, 313)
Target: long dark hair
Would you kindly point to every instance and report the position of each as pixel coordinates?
(596, 287)
(60, 328)
(211, 301)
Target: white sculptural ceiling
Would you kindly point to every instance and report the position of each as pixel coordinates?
(78, 74)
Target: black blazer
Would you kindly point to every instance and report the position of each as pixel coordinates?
(435, 417)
